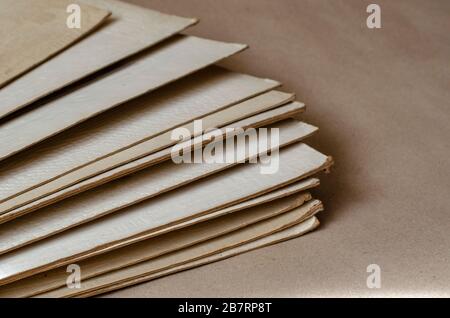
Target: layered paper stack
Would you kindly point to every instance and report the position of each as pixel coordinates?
(87, 175)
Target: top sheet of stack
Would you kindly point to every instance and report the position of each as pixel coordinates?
(34, 31)
(130, 29)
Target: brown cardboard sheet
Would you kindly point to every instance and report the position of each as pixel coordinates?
(119, 194)
(154, 247)
(150, 121)
(140, 221)
(35, 45)
(191, 255)
(128, 30)
(277, 237)
(175, 58)
(124, 166)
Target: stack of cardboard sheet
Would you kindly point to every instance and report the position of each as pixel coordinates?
(90, 178)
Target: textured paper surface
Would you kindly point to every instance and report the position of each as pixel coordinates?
(33, 31)
(261, 199)
(184, 256)
(125, 192)
(278, 237)
(154, 247)
(165, 63)
(122, 158)
(138, 222)
(129, 30)
(150, 117)
(381, 100)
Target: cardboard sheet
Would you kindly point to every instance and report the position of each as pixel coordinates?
(151, 117)
(139, 222)
(165, 63)
(154, 247)
(278, 237)
(183, 257)
(43, 33)
(129, 30)
(124, 166)
(125, 192)
(282, 192)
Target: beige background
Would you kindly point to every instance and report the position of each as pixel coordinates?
(382, 101)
